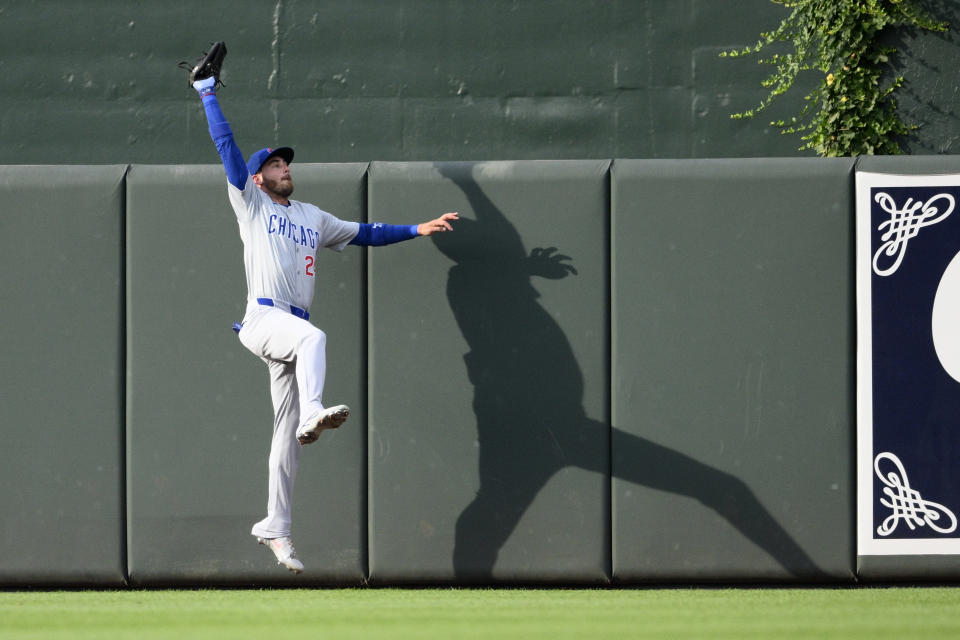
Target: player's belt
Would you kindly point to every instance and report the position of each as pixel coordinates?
(297, 311)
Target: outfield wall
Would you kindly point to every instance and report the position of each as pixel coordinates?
(628, 371)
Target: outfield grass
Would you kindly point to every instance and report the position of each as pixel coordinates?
(487, 613)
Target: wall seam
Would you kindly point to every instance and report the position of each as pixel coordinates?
(365, 359)
(608, 250)
(122, 369)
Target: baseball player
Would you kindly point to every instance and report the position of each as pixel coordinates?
(281, 238)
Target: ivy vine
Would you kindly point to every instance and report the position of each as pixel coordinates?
(852, 110)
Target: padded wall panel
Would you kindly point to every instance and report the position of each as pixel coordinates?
(199, 410)
(489, 375)
(909, 165)
(909, 567)
(733, 351)
(60, 346)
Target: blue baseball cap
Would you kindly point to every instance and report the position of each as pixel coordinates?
(258, 158)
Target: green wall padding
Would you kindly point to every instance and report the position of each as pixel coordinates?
(640, 373)
(199, 417)
(61, 418)
(733, 352)
(489, 443)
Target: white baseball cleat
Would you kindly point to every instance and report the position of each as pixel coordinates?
(330, 418)
(283, 549)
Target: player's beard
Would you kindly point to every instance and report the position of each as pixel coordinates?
(282, 187)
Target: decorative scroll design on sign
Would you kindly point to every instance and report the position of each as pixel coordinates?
(906, 503)
(904, 224)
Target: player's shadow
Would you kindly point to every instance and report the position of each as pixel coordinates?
(528, 393)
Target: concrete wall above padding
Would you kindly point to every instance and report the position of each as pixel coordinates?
(405, 80)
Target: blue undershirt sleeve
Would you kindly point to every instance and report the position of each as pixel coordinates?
(222, 136)
(379, 234)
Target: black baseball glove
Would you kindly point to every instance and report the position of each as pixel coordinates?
(208, 65)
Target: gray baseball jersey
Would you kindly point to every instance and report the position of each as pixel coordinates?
(280, 243)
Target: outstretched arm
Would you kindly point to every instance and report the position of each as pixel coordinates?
(379, 234)
(221, 134)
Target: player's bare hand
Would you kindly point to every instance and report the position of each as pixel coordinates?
(440, 225)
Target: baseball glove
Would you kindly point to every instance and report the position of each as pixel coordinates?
(208, 65)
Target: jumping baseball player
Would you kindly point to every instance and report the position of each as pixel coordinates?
(281, 238)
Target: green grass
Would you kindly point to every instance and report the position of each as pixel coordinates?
(488, 613)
